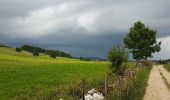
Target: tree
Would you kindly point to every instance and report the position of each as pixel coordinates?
(117, 56)
(18, 49)
(141, 41)
(35, 53)
(53, 54)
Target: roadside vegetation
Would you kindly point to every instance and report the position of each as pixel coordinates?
(167, 67)
(118, 57)
(133, 85)
(130, 84)
(126, 83)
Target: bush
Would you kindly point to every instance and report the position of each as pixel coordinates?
(18, 49)
(53, 54)
(146, 63)
(117, 56)
(35, 53)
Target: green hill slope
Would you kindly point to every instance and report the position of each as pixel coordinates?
(23, 76)
(9, 54)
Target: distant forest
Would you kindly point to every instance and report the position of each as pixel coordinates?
(162, 61)
(3, 45)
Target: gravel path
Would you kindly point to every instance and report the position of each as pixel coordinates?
(157, 88)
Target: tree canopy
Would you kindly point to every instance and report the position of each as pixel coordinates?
(141, 41)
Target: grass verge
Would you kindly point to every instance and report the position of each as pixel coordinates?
(134, 88)
(167, 67)
(165, 80)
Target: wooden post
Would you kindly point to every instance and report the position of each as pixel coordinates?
(83, 83)
(105, 88)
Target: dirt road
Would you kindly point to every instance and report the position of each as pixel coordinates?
(158, 84)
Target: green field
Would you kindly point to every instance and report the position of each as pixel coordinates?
(23, 76)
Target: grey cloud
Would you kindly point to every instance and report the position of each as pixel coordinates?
(17, 8)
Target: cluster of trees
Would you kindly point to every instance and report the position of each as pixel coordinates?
(36, 50)
(3, 45)
(18, 49)
(164, 61)
(85, 59)
(140, 41)
(91, 59)
(57, 53)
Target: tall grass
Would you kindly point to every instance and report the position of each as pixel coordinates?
(134, 88)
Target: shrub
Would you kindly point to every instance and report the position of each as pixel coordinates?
(117, 56)
(35, 53)
(146, 63)
(18, 49)
(53, 54)
(134, 88)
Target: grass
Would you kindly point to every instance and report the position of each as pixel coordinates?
(138, 88)
(134, 88)
(167, 67)
(23, 76)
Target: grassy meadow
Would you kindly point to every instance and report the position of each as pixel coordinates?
(27, 77)
(23, 76)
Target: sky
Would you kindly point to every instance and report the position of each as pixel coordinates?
(87, 28)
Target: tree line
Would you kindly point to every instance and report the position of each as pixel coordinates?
(3, 45)
(162, 61)
(36, 50)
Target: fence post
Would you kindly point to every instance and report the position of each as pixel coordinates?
(83, 85)
(105, 87)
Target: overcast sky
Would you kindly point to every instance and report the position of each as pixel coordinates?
(81, 27)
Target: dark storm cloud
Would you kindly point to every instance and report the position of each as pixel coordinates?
(80, 27)
(97, 45)
(77, 45)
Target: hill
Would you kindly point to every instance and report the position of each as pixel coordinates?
(10, 54)
(24, 76)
